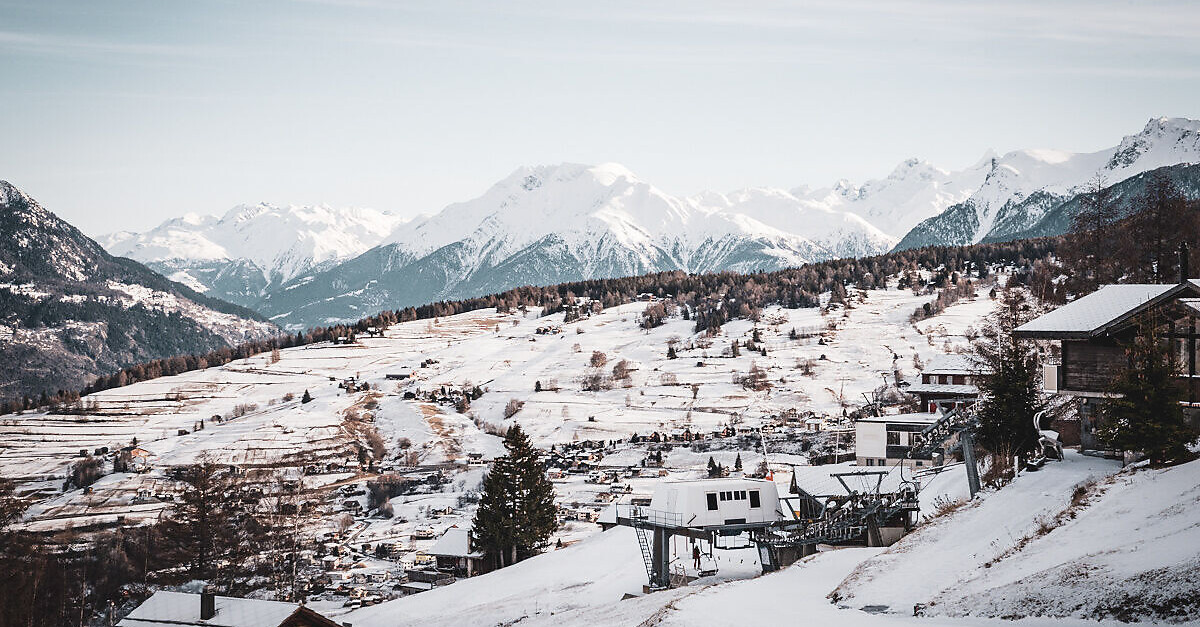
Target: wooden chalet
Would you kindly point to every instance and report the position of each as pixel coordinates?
(1094, 333)
(948, 382)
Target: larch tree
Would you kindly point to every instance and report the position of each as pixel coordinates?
(1089, 250)
(1163, 219)
(207, 532)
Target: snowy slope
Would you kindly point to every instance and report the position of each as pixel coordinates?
(1124, 546)
(1129, 550)
(252, 247)
(1020, 188)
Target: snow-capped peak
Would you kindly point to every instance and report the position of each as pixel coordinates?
(580, 204)
(281, 241)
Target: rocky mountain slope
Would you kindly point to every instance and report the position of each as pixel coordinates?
(69, 310)
(1027, 192)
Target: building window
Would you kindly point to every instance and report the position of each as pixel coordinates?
(870, 462)
(755, 501)
(893, 438)
(920, 463)
(712, 501)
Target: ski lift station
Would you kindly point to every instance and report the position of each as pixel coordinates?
(744, 513)
(718, 502)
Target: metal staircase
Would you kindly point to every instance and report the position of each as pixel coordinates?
(644, 544)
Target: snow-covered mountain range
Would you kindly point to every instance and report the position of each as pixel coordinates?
(252, 248)
(1023, 188)
(547, 224)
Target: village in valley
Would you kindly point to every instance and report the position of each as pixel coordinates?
(368, 453)
(362, 313)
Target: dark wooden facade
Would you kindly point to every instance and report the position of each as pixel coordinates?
(1090, 365)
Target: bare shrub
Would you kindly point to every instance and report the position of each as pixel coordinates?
(512, 408)
(598, 359)
(375, 443)
(944, 506)
(596, 382)
(243, 409)
(87, 471)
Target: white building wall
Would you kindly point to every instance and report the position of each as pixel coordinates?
(870, 441)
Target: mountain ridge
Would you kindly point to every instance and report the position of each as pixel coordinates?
(1024, 186)
(552, 223)
(70, 311)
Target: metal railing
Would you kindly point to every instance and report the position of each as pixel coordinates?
(654, 517)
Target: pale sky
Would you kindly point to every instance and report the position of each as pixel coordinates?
(119, 114)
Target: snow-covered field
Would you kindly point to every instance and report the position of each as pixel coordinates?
(851, 351)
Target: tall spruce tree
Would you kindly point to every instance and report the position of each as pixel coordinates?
(1144, 413)
(516, 512)
(1009, 397)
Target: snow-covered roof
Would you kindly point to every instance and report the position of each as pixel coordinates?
(1192, 304)
(1092, 314)
(165, 608)
(941, 388)
(608, 515)
(953, 364)
(456, 542)
(918, 418)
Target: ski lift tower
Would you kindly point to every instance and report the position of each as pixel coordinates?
(960, 423)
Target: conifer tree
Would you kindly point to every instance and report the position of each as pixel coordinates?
(737, 463)
(516, 512)
(1144, 413)
(307, 398)
(1009, 396)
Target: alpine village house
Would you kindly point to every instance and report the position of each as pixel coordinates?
(947, 383)
(1093, 333)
